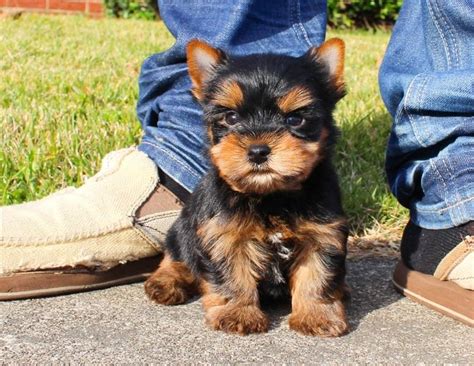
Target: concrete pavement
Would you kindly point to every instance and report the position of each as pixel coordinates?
(119, 325)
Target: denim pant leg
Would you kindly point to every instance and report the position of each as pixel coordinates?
(174, 135)
(427, 83)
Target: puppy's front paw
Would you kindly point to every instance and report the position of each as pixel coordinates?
(237, 319)
(320, 319)
(166, 291)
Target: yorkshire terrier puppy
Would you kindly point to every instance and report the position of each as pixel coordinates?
(266, 220)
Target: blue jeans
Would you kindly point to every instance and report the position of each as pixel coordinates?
(428, 92)
(427, 83)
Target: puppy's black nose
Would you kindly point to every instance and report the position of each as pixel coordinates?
(258, 154)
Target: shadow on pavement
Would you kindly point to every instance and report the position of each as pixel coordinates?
(371, 289)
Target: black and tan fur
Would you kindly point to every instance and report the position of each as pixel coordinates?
(269, 228)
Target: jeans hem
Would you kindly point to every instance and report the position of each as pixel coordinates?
(447, 217)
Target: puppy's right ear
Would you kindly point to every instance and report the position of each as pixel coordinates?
(202, 60)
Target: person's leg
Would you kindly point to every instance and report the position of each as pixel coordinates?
(120, 215)
(427, 83)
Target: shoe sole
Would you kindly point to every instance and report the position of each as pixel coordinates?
(445, 297)
(27, 285)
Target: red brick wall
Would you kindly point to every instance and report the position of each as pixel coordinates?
(91, 7)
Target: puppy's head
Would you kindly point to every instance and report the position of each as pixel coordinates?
(269, 117)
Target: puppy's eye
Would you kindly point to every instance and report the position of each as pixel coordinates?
(294, 121)
(231, 118)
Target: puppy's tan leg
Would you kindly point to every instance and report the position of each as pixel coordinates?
(240, 313)
(172, 283)
(317, 280)
(314, 312)
(237, 244)
(237, 318)
(211, 298)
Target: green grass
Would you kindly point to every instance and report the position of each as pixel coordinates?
(68, 89)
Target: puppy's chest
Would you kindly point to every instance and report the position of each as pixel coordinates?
(281, 248)
(267, 244)
(281, 252)
(276, 239)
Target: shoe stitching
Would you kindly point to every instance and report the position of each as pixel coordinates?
(469, 241)
(458, 260)
(149, 189)
(142, 224)
(13, 241)
(448, 263)
(461, 278)
(153, 181)
(155, 229)
(154, 245)
(156, 216)
(120, 158)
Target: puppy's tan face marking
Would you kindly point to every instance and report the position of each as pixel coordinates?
(230, 95)
(298, 97)
(289, 164)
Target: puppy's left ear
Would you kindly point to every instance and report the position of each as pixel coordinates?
(202, 60)
(331, 55)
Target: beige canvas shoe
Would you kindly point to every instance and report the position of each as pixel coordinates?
(105, 233)
(449, 290)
